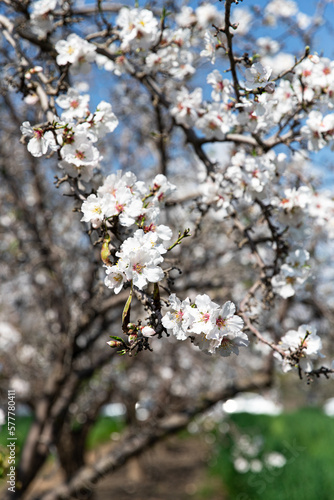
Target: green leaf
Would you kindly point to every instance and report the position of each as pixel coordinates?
(126, 312)
(116, 338)
(105, 252)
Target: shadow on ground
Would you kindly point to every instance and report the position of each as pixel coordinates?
(175, 469)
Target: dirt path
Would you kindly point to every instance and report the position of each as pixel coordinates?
(173, 470)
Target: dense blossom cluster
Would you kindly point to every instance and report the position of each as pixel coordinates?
(132, 203)
(213, 328)
(139, 258)
(74, 134)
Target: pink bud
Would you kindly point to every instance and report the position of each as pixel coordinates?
(147, 331)
(115, 343)
(36, 69)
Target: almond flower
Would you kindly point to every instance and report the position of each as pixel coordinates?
(139, 28)
(226, 322)
(177, 321)
(40, 142)
(306, 339)
(76, 51)
(257, 76)
(212, 328)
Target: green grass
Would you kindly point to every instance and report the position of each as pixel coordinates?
(102, 430)
(100, 433)
(305, 438)
(22, 425)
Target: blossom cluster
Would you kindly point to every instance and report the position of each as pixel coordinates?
(175, 51)
(212, 328)
(77, 52)
(303, 346)
(131, 203)
(297, 211)
(124, 200)
(41, 16)
(141, 41)
(74, 134)
(251, 178)
(293, 273)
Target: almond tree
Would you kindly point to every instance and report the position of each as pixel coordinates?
(184, 221)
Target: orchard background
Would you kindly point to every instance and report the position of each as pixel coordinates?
(167, 231)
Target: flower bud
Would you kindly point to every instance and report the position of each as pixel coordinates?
(105, 252)
(36, 69)
(132, 338)
(147, 331)
(115, 343)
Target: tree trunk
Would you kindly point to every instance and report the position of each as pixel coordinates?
(71, 449)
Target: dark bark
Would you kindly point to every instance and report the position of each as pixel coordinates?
(71, 449)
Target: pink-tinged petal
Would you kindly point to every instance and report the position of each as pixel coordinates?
(235, 324)
(228, 309)
(148, 331)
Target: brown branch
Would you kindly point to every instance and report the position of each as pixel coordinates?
(191, 136)
(258, 335)
(229, 37)
(327, 372)
(246, 231)
(161, 141)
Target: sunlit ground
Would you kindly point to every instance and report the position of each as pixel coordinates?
(243, 457)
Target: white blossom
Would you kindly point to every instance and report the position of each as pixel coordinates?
(41, 140)
(76, 51)
(94, 208)
(257, 76)
(74, 104)
(115, 278)
(142, 267)
(305, 339)
(226, 322)
(41, 16)
(292, 274)
(178, 321)
(139, 28)
(207, 15)
(210, 47)
(187, 106)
